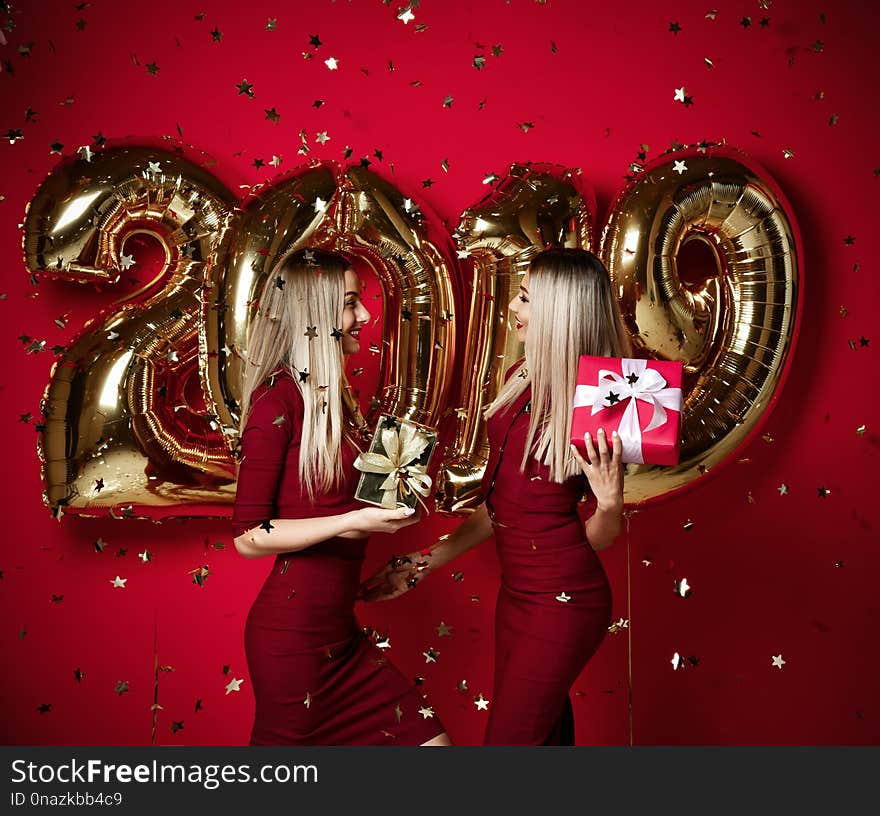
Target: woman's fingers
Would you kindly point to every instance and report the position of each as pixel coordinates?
(591, 451)
(617, 448)
(603, 445)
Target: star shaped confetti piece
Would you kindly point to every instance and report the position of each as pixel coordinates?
(677, 662)
(563, 598)
(406, 16)
(426, 712)
(332, 64)
(777, 661)
(783, 489)
(679, 94)
(320, 205)
(233, 685)
(431, 655)
(679, 167)
(443, 630)
(308, 701)
(481, 703)
(618, 626)
(121, 687)
(118, 582)
(271, 24)
(146, 556)
(682, 588)
(674, 27)
(245, 87)
(127, 262)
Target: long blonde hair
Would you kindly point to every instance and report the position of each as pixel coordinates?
(299, 312)
(572, 311)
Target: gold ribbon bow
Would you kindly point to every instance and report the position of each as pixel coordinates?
(403, 448)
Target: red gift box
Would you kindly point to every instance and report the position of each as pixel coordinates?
(640, 399)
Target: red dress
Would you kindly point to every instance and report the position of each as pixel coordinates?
(317, 678)
(554, 604)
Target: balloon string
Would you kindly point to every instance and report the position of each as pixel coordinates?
(627, 517)
(155, 680)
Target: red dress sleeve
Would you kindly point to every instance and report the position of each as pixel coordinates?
(273, 426)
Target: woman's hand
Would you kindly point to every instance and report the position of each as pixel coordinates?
(604, 470)
(399, 575)
(369, 520)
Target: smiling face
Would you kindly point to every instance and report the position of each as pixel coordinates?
(520, 308)
(354, 315)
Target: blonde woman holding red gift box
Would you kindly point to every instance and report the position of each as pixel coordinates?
(554, 604)
(317, 678)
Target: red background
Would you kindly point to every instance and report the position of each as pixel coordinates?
(771, 574)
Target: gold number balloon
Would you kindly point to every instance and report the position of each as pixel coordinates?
(534, 207)
(125, 421)
(734, 332)
(361, 216)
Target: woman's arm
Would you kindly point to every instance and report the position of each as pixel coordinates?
(275, 536)
(604, 472)
(404, 572)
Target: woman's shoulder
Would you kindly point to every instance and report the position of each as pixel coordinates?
(517, 366)
(279, 390)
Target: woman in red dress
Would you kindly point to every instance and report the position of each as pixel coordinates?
(318, 679)
(554, 604)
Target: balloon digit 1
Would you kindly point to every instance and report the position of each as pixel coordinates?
(534, 207)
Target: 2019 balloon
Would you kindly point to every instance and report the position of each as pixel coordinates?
(142, 406)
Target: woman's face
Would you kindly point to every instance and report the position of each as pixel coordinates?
(354, 315)
(520, 308)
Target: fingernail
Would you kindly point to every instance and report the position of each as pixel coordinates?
(409, 511)
(602, 431)
(614, 433)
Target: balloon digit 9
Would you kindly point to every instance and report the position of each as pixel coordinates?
(535, 206)
(735, 332)
(123, 420)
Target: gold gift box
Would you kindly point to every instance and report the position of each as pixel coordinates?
(394, 469)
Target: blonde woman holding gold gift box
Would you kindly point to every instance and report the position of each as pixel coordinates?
(317, 677)
(554, 604)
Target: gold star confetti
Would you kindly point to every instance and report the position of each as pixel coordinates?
(308, 701)
(118, 582)
(861, 430)
(682, 588)
(481, 703)
(679, 167)
(245, 87)
(447, 101)
(677, 662)
(146, 556)
(777, 661)
(563, 598)
(406, 16)
(688, 525)
(679, 94)
(618, 626)
(443, 630)
(121, 687)
(322, 137)
(271, 24)
(332, 64)
(431, 655)
(426, 712)
(233, 685)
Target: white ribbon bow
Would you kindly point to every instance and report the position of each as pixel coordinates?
(638, 382)
(403, 447)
